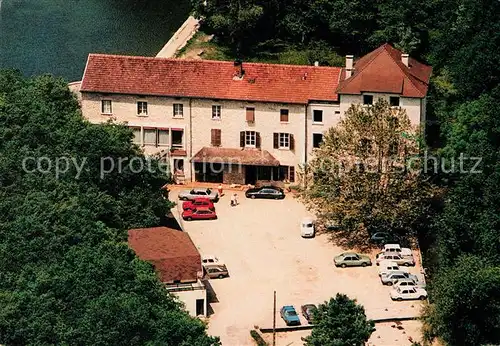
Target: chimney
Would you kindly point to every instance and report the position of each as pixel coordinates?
(316, 63)
(238, 75)
(405, 59)
(349, 60)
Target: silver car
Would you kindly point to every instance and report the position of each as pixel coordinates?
(393, 277)
(189, 195)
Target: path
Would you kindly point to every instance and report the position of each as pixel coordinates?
(180, 38)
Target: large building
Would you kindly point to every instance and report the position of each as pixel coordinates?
(243, 123)
(177, 263)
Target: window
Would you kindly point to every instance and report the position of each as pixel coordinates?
(367, 99)
(106, 107)
(216, 137)
(337, 112)
(250, 114)
(142, 108)
(216, 112)
(317, 116)
(250, 139)
(163, 138)
(394, 101)
(178, 110)
(317, 139)
(177, 138)
(283, 141)
(149, 136)
(284, 115)
(137, 135)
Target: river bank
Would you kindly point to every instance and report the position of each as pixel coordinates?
(180, 38)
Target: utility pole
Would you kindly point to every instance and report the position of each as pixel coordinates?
(274, 320)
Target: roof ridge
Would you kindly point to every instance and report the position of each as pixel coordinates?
(350, 79)
(197, 61)
(405, 69)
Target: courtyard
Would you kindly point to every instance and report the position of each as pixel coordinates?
(259, 240)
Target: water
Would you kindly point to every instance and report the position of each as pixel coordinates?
(55, 36)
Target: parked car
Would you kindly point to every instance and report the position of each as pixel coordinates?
(289, 315)
(270, 192)
(386, 267)
(208, 260)
(400, 260)
(199, 202)
(189, 195)
(396, 248)
(383, 238)
(393, 277)
(409, 283)
(308, 312)
(351, 259)
(307, 228)
(199, 214)
(216, 271)
(408, 293)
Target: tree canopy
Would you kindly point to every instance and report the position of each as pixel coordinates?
(67, 274)
(340, 322)
(367, 174)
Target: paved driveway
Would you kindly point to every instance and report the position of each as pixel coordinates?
(260, 242)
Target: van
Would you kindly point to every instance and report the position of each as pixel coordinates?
(396, 248)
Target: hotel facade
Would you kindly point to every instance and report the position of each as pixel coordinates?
(242, 123)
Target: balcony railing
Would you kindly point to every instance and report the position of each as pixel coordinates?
(193, 286)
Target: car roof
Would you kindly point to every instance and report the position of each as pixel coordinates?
(391, 246)
(348, 254)
(288, 307)
(388, 263)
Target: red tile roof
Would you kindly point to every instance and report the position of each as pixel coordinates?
(172, 252)
(209, 79)
(383, 71)
(242, 156)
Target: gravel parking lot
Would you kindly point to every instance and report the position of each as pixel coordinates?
(259, 240)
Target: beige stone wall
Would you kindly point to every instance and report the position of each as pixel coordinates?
(124, 110)
(411, 105)
(331, 117)
(233, 120)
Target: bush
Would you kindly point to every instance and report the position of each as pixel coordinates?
(258, 339)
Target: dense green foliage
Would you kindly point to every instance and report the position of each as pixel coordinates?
(67, 276)
(253, 26)
(340, 322)
(367, 175)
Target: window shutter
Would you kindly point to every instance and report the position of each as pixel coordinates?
(257, 139)
(242, 139)
(251, 114)
(218, 137)
(292, 142)
(292, 174)
(214, 135)
(276, 138)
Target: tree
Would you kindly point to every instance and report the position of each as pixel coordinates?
(67, 274)
(467, 303)
(340, 322)
(366, 174)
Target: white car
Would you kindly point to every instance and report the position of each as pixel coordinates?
(211, 260)
(307, 228)
(408, 293)
(394, 257)
(408, 283)
(387, 267)
(396, 248)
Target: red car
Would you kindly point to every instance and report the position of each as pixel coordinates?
(198, 203)
(199, 214)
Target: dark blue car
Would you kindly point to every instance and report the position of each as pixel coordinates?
(289, 315)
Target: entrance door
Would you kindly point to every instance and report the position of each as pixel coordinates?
(250, 175)
(200, 307)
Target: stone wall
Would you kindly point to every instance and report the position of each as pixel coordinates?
(234, 175)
